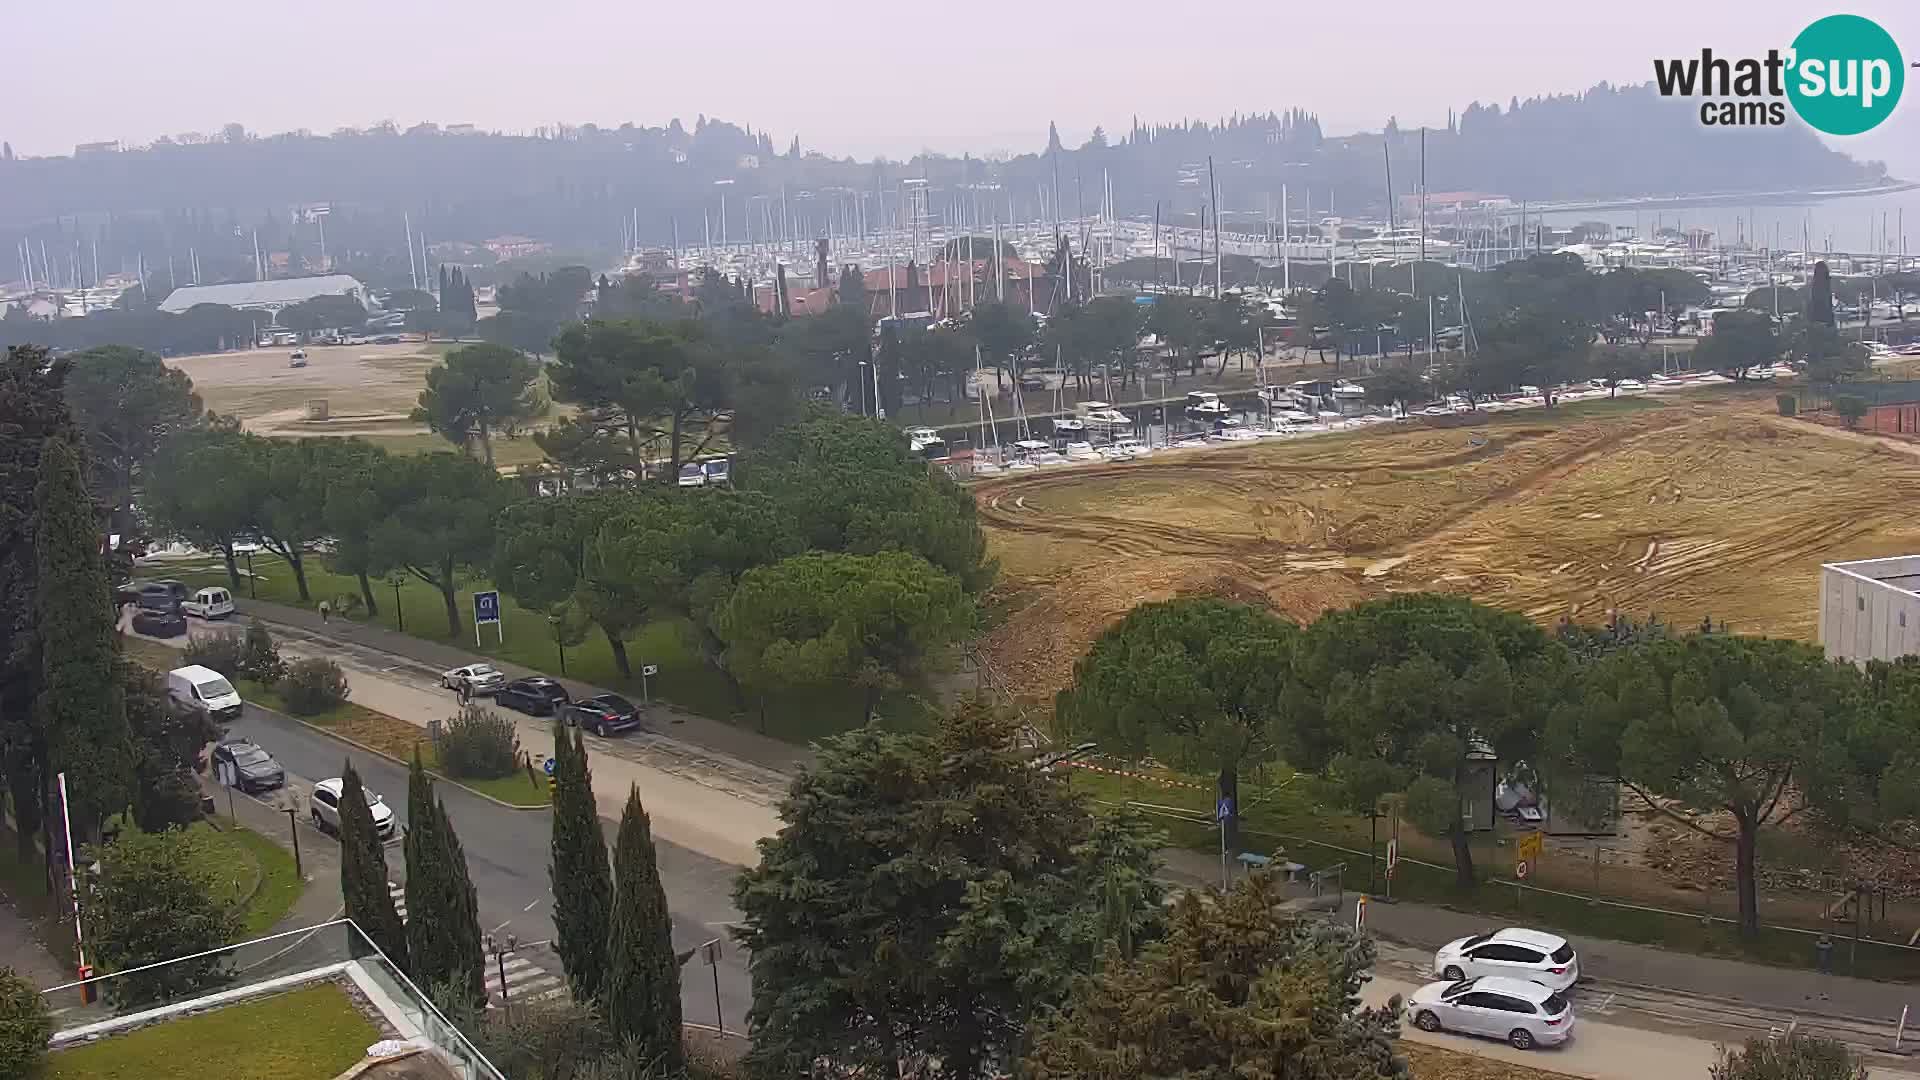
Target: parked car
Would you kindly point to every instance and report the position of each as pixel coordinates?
(1524, 1014)
(719, 471)
(209, 603)
(1513, 953)
(324, 804)
(298, 358)
(205, 691)
(477, 678)
(604, 714)
(161, 619)
(692, 475)
(254, 769)
(537, 696)
(134, 591)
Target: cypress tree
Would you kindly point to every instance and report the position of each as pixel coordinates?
(363, 872)
(82, 704)
(582, 882)
(443, 934)
(641, 1001)
(1820, 295)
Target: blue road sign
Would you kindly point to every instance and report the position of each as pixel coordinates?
(1223, 809)
(486, 607)
(548, 766)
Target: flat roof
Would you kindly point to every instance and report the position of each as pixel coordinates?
(1900, 573)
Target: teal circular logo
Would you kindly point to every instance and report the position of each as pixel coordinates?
(1847, 75)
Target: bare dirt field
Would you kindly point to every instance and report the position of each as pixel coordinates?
(369, 389)
(1688, 509)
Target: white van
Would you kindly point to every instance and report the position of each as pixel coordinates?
(204, 690)
(212, 603)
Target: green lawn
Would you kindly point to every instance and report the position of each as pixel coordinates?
(685, 679)
(315, 1032)
(230, 859)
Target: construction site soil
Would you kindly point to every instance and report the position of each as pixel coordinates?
(1692, 508)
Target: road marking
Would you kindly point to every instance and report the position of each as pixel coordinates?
(501, 927)
(530, 907)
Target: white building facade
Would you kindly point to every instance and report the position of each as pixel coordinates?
(1870, 609)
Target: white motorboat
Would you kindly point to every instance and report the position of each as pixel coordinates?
(1081, 451)
(1100, 414)
(1234, 434)
(1206, 405)
(1345, 389)
(926, 442)
(1069, 425)
(1132, 446)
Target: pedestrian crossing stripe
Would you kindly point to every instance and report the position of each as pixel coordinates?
(526, 980)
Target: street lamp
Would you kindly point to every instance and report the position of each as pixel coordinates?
(863, 388)
(253, 593)
(397, 579)
(553, 624)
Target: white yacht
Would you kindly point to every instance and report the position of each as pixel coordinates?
(1081, 451)
(1069, 425)
(926, 442)
(1206, 405)
(1100, 414)
(1132, 446)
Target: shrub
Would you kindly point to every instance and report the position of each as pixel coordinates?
(260, 657)
(223, 651)
(25, 1026)
(1796, 1057)
(1850, 407)
(313, 686)
(478, 744)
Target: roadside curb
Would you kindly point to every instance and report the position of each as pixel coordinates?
(259, 872)
(356, 744)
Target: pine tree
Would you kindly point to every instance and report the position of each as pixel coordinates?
(82, 705)
(582, 881)
(641, 1001)
(363, 872)
(443, 939)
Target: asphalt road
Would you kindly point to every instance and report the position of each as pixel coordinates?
(507, 853)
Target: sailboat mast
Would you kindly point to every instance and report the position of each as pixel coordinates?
(1213, 196)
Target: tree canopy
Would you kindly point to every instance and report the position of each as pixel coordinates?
(480, 390)
(1195, 682)
(882, 930)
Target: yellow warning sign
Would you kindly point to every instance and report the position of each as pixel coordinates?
(1531, 846)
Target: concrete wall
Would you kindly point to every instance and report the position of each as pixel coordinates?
(1863, 618)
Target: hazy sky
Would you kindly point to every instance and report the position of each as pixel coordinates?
(855, 76)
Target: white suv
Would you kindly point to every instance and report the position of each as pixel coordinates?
(1524, 1014)
(1513, 952)
(325, 806)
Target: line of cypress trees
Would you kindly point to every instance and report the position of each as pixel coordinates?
(363, 872)
(581, 880)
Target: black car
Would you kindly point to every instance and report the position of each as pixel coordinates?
(159, 615)
(253, 768)
(604, 714)
(538, 696)
(142, 592)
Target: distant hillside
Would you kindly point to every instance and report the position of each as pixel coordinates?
(579, 189)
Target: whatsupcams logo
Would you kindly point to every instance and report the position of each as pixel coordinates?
(1843, 75)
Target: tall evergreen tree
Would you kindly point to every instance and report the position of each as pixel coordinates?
(363, 872)
(641, 1000)
(82, 704)
(36, 412)
(443, 943)
(582, 881)
(1820, 295)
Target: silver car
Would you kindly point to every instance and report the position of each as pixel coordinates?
(476, 678)
(1521, 1013)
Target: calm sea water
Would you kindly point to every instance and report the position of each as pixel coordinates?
(1889, 223)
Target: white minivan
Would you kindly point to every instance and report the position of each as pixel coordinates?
(204, 690)
(210, 603)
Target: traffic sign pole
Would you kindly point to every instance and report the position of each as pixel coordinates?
(1223, 810)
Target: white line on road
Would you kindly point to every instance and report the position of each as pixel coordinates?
(501, 927)
(530, 907)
